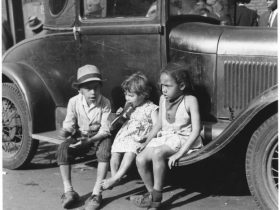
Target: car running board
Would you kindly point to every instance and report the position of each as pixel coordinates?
(50, 136)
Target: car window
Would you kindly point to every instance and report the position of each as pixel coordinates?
(94, 9)
(229, 12)
(57, 6)
(194, 7)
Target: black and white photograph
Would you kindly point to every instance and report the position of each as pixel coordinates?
(139, 104)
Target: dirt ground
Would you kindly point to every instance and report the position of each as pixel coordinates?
(210, 185)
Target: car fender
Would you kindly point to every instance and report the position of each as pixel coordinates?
(269, 97)
(38, 100)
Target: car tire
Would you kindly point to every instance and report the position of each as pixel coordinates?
(18, 148)
(262, 164)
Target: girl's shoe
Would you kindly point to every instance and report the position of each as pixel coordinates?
(93, 202)
(137, 197)
(145, 201)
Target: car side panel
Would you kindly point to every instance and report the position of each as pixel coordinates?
(55, 60)
(119, 56)
(36, 95)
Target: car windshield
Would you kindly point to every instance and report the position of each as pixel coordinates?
(228, 12)
(196, 7)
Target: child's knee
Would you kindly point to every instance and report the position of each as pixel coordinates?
(141, 160)
(103, 155)
(62, 154)
(158, 154)
(62, 147)
(103, 152)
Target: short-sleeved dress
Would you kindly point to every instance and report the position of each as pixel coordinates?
(139, 125)
(175, 134)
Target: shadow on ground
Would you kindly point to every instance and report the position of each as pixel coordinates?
(45, 157)
(213, 176)
(216, 176)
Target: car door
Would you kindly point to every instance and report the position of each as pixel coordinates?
(120, 38)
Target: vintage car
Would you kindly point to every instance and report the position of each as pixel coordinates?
(234, 71)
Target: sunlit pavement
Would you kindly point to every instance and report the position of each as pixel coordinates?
(39, 187)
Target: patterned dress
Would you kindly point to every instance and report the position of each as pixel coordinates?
(132, 131)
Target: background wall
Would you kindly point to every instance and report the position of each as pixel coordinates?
(259, 5)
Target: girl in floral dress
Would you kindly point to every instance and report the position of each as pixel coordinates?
(133, 132)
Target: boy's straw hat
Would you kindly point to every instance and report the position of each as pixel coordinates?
(87, 73)
(34, 23)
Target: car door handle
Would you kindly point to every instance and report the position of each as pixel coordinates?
(76, 32)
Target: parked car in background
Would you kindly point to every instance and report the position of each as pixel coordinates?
(234, 71)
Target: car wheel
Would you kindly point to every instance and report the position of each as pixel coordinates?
(262, 164)
(17, 146)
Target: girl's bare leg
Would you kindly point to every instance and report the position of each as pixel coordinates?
(127, 161)
(160, 155)
(144, 161)
(115, 162)
(102, 169)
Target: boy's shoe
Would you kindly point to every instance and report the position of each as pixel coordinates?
(145, 201)
(69, 198)
(93, 202)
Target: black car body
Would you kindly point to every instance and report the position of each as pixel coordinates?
(234, 70)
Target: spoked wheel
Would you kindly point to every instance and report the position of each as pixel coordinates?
(17, 146)
(12, 137)
(262, 164)
(272, 167)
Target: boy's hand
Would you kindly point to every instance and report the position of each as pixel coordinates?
(63, 134)
(82, 141)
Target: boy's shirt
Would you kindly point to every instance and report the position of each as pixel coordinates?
(86, 118)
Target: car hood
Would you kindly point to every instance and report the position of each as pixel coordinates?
(223, 40)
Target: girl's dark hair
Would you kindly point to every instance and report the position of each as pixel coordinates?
(179, 72)
(137, 83)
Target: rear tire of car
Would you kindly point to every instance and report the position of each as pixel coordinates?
(18, 148)
(262, 164)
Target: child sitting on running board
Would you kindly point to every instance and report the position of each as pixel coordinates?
(175, 133)
(85, 126)
(133, 132)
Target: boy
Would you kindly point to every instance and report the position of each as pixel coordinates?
(85, 124)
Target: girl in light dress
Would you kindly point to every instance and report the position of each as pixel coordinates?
(175, 133)
(133, 132)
